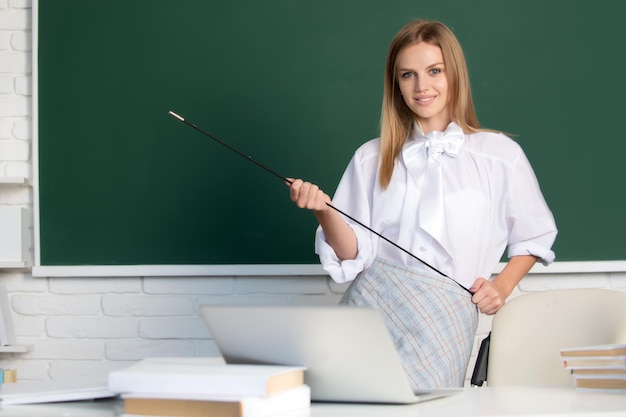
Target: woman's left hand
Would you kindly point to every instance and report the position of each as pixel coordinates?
(488, 296)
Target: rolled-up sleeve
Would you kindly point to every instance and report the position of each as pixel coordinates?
(532, 226)
(351, 198)
(343, 270)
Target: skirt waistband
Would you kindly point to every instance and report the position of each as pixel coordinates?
(421, 273)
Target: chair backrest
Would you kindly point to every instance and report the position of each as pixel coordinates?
(529, 331)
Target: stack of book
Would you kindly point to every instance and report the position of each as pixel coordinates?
(598, 367)
(197, 387)
(8, 376)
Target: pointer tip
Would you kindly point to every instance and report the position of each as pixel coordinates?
(176, 116)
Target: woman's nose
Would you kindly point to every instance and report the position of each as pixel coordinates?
(421, 85)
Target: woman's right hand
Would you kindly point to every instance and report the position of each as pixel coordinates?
(339, 235)
(307, 195)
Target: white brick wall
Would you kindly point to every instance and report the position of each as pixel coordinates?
(15, 96)
(86, 326)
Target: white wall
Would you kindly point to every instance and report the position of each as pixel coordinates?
(85, 326)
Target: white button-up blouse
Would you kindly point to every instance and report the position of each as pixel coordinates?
(490, 200)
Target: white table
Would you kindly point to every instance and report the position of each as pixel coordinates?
(471, 402)
(482, 402)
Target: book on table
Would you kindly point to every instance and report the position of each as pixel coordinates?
(597, 367)
(204, 377)
(293, 400)
(605, 382)
(53, 391)
(606, 350)
(190, 387)
(606, 356)
(595, 362)
(598, 372)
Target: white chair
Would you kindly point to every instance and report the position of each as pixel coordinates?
(529, 331)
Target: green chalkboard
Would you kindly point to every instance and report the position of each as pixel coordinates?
(297, 85)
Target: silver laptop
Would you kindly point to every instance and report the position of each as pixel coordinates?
(348, 353)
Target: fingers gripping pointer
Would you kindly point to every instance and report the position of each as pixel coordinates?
(307, 195)
(488, 297)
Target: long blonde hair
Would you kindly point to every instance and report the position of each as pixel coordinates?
(396, 118)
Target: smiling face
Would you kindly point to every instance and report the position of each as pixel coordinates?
(422, 80)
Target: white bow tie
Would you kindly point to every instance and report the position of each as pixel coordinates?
(450, 144)
(425, 158)
(431, 145)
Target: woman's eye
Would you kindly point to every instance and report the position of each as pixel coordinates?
(435, 71)
(408, 74)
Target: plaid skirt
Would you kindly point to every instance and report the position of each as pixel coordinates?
(431, 319)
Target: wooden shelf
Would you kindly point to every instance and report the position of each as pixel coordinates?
(15, 348)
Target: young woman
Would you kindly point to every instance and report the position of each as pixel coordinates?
(452, 194)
